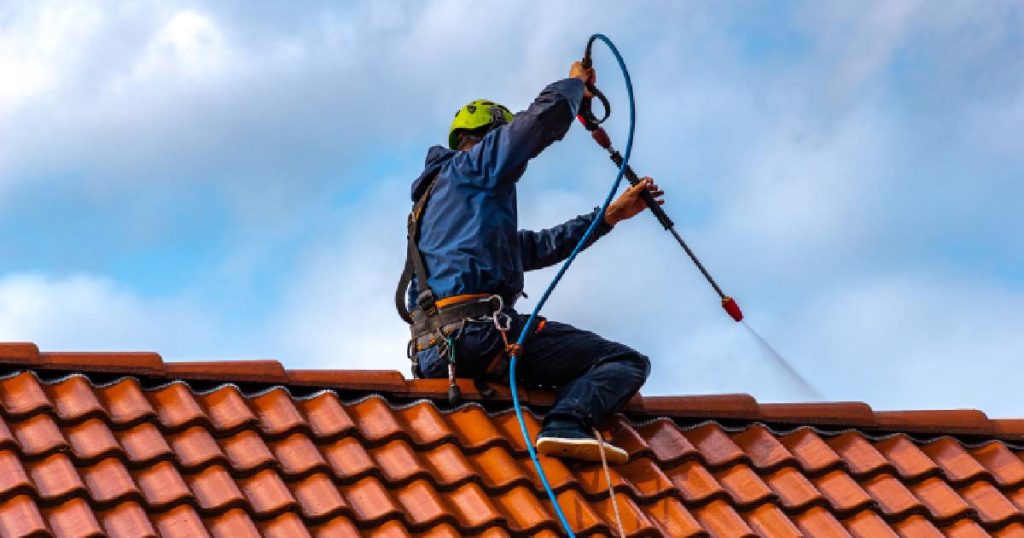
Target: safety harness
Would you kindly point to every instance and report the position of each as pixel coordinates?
(434, 322)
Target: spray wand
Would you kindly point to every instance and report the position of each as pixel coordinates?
(593, 124)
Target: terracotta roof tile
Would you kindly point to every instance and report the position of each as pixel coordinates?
(125, 402)
(73, 518)
(214, 488)
(38, 435)
(55, 477)
(92, 439)
(233, 523)
(372, 454)
(665, 441)
(108, 481)
(226, 409)
(868, 524)
(161, 484)
(126, 519)
(286, 525)
(19, 516)
(143, 443)
(182, 521)
(769, 520)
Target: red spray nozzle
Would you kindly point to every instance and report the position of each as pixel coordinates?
(732, 308)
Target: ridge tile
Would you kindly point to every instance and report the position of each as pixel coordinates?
(389, 381)
(111, 362)
(720, 406)
(19, 353)
(823, 413)
(257, 371)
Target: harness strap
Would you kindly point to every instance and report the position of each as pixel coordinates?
(414, 262)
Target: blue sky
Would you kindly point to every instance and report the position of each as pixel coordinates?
(230, 180)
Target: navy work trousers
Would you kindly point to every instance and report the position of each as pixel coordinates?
(593, 376)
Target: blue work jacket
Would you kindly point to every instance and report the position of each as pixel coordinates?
(469, 236)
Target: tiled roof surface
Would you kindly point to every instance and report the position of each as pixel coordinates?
(126, 445)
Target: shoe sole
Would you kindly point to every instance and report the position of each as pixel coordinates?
(581, 449)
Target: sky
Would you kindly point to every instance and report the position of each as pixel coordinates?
(230, 180)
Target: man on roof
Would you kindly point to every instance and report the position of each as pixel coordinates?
(465, 263)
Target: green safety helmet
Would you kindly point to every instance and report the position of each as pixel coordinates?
(477, 114)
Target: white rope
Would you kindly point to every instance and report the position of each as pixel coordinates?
(608, 479)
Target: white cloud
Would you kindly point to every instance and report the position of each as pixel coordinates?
(87, 312)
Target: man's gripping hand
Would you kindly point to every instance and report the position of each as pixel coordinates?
(588, 76)
(629, 204)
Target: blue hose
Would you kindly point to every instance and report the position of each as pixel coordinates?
(558, 277)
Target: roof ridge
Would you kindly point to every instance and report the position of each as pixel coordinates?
(739, 407)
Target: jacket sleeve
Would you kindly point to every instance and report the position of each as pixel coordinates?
(500, 157)
(548, 247)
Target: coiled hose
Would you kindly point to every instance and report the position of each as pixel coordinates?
(558, 277)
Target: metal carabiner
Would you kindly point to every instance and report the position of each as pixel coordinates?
(502, 321)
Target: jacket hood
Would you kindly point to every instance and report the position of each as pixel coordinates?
(436, 157)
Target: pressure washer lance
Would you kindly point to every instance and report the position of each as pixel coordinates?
(592, 124)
